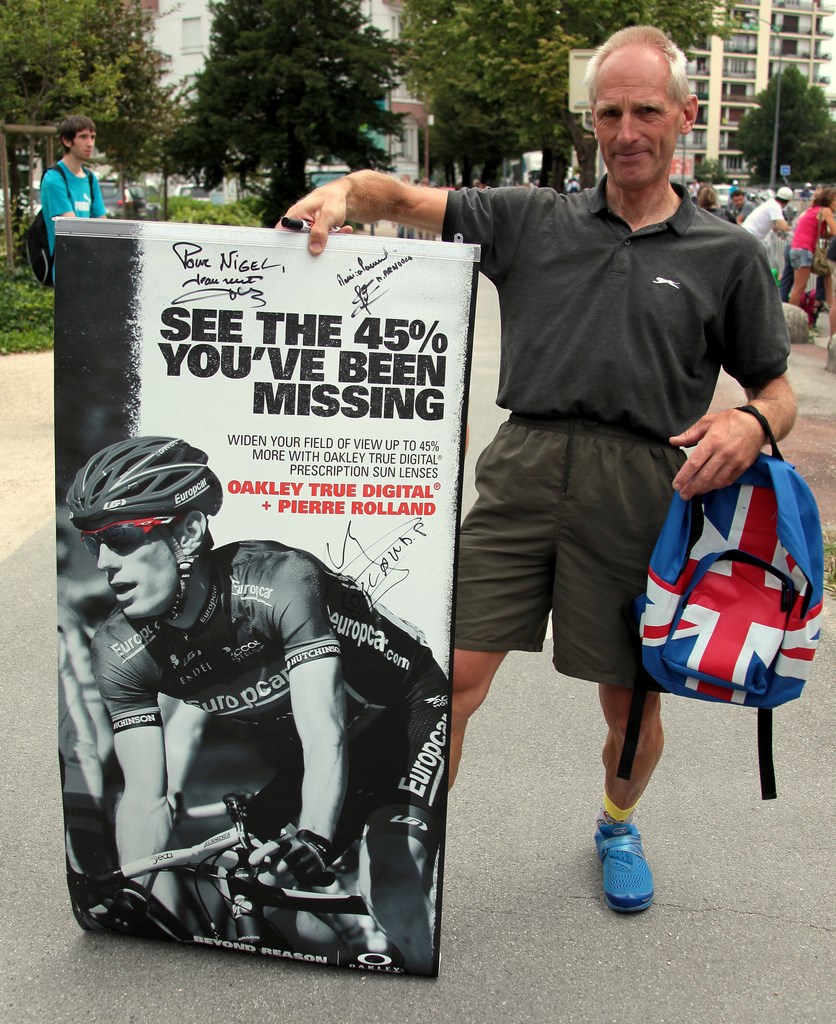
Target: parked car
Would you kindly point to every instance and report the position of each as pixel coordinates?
(192, 191)
(142, 200)
(132, 203)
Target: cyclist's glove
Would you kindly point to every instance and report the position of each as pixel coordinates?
(308, 856)
(124, 909)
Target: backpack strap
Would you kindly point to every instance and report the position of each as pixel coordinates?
(766, 766)
(764, 422)
(63, 173)
(642, 683)
(634, 722)
(88, 172)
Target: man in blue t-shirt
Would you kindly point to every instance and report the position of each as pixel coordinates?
(69, 190)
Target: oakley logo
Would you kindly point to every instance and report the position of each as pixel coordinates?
(665, 280)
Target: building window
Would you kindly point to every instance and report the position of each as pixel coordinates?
(192, 35)
(738, 68)
(741, 44)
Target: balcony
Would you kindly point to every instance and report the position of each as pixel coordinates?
(731, 97)
(802, 53)
(794, 6)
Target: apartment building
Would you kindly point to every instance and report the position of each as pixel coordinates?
(727, 74)
(182, 29)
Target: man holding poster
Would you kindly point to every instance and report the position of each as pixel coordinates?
(265, 634)
(619, 307)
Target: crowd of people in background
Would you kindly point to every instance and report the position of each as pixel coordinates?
(780, 219)
(791, 224)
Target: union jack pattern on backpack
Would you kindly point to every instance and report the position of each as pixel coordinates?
(734, 593)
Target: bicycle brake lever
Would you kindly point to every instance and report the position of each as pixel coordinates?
(234, 806)
(237, 812)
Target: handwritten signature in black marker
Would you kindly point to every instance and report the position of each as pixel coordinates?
(241, 290)
(238, 277)
(378, 566)
(364, 296)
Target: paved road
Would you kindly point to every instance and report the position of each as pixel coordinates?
(742, 930)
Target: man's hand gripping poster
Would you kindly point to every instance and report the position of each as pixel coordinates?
(258, 486)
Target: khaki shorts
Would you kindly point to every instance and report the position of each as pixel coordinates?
(567, 517)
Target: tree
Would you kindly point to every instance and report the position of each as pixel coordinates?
(285, 82)
(711, 171)
(55, 58)
(481, 52)
(804, 128)
(143, 112)
(468, 136)
(515, 55)
(59, 57)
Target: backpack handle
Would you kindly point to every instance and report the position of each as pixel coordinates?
(764, 422)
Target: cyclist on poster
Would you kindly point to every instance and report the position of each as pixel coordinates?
(267, 635)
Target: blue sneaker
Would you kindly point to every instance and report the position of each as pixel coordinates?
(628, 883)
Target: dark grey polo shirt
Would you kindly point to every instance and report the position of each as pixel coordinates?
(606, 324)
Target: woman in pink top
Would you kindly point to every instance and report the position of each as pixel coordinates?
(815, 221)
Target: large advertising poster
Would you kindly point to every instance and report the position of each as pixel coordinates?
(258, 486)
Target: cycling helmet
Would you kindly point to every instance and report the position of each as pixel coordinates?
(143, 476)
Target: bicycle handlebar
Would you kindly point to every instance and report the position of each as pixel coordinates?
(243, 883)
(171, 858)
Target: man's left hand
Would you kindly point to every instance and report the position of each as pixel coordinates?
(727, 443)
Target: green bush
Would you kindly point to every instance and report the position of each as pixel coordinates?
(26, 312)
(244, 213)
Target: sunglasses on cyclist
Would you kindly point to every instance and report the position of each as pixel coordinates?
(124, 537)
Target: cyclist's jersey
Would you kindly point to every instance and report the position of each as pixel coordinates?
(269, 609)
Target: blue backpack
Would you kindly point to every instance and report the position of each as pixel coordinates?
(733, 603)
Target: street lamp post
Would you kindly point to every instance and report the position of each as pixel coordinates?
(773, 170)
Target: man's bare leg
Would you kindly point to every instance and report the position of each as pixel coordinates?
(473, 672)
(628, 882)
(615, 703)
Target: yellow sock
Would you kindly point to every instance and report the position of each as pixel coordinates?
(617, 813)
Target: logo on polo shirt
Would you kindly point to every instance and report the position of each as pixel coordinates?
(666, 280)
